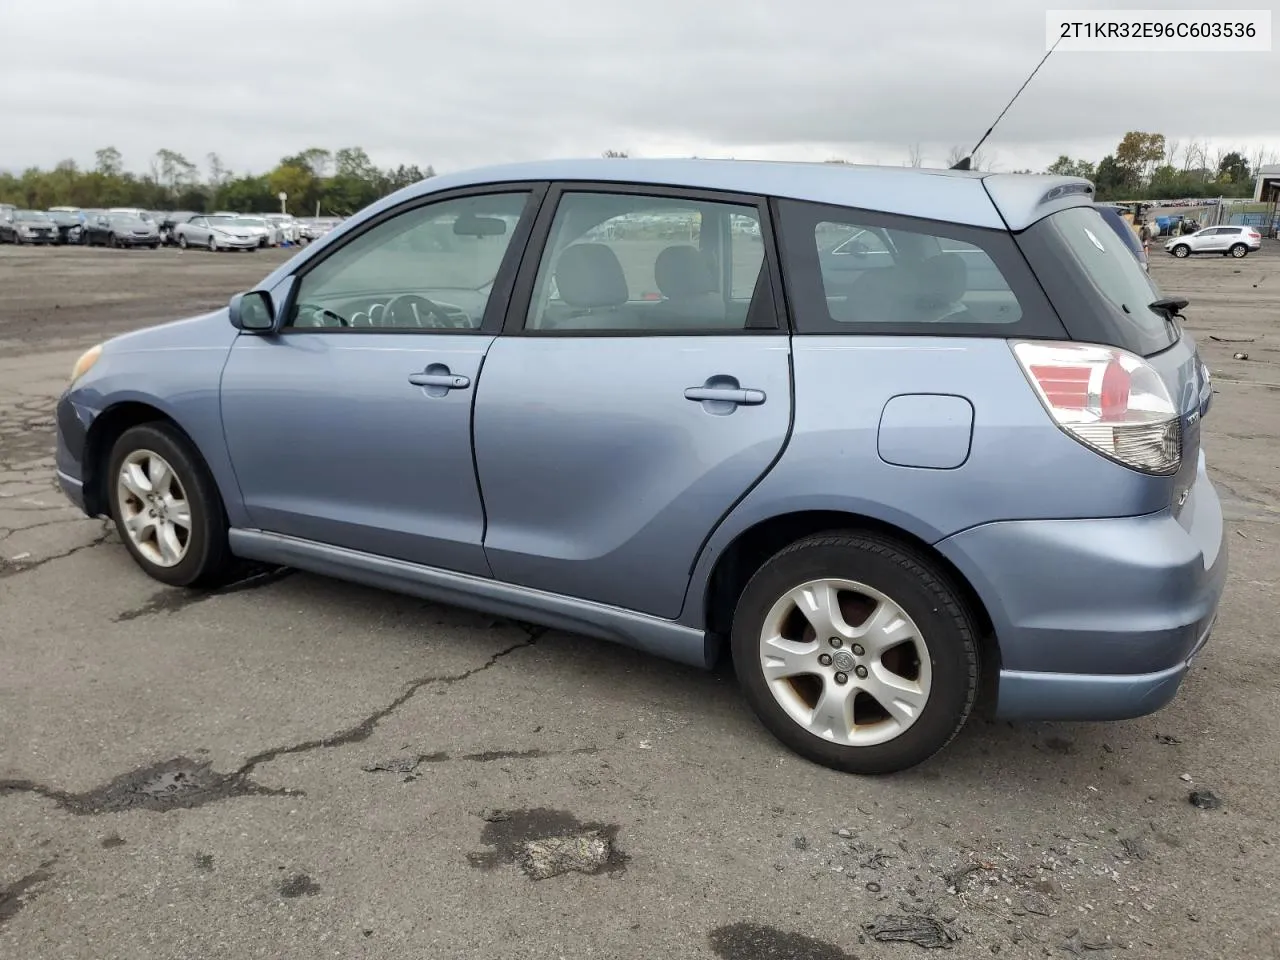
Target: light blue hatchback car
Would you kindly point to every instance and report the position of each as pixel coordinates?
(894, 437)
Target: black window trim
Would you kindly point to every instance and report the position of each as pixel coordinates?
(1039, 319)
(763, 316)
(495, 309)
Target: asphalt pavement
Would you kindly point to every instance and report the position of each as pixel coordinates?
(298, 768)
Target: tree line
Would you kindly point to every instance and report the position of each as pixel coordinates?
(1150, 166)
(1144, 166)
(337, 183)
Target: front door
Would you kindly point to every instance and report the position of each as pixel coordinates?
(641, 387)
(1213, 241)
(352, 426)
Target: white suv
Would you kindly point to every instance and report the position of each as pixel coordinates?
(1236, 241)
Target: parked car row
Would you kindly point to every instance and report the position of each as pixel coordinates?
(135, 227)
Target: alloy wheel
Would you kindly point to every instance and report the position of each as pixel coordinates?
(154, 509)
(845, 662)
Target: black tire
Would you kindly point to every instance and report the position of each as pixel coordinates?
(1239, 251)
(182, 241)
(1181, 251)
(921, 589)
(154, 246)
(208, 560)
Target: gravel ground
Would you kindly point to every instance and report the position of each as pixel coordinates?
(295, 767)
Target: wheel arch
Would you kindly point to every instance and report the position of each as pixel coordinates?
(751, 547)
(107, 427)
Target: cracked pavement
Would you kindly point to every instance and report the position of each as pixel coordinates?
(294, 767)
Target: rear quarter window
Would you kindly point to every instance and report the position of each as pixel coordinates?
(851, 271)
(1094, 282)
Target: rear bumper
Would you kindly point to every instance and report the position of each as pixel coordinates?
(1097, 619)
(1026, 695)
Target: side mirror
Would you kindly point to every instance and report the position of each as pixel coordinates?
(252, 312)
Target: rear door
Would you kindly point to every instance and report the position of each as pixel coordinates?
(642, 385)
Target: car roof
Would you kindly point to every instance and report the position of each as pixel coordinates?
(996, 200)
(1001, 201)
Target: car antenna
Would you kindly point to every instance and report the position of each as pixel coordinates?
(966, 162)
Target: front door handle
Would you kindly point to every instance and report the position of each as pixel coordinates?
(735, 395)
(450, 381)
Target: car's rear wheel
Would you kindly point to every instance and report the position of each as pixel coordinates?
(166, 507)
(1239, 250)
(1181, 251)
(857, 652)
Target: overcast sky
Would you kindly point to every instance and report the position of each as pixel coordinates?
(468, 82)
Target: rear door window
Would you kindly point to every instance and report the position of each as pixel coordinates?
(858, 272)
(1098, 288)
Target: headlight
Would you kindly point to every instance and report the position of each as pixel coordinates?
(86, 362)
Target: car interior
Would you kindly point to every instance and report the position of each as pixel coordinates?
(887, 276)
(690, 249)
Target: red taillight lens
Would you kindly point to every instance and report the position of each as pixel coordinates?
(1108, 399)
(1116, 384)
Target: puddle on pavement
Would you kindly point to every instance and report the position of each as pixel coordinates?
(546, 843)
(177, 784)
(756, 941)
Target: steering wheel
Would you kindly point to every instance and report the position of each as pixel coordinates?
(318, 310)
(417, 306)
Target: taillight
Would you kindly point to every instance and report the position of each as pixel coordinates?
(1109, 399)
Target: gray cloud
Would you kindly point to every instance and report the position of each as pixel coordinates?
(478, 81)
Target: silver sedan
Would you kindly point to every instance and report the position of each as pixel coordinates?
(217, 233)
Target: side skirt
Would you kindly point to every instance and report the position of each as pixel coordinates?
(662, 638)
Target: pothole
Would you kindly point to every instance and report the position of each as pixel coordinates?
(547, 843)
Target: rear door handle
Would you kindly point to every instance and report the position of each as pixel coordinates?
(738, 395)
(450, 381)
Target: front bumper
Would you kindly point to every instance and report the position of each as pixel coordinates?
(69, 451)
(238, 243)
(1098, 619)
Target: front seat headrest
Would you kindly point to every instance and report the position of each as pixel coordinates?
(589, 275)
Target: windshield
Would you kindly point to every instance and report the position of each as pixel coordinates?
(1096, 283)
(248, 222)
(221, 221)
(30, 215)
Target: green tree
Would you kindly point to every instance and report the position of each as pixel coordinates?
(1064, 166)
(1138, 153)
(108, 161)
(296, 182)
(1234, 168)
(1111, 179)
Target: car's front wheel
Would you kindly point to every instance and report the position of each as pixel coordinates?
(166, 507)
(857, 652)
(1181, 251)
